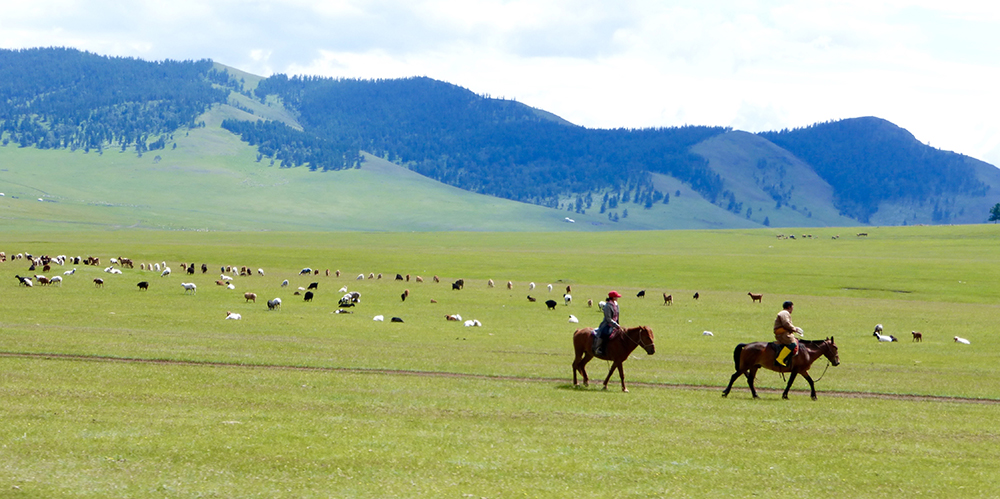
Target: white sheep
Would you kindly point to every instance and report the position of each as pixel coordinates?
(261, 272)
(225, 277)
(962, 340)
(883, 338)
(166, 272)
(573, 319)
(878, 328)
(56, 279)
(567, 298)
(232, 316)
(190, 286)
(379, 318)
(531, 286)
(361, 277)
(273, 304)
(116, 271)
(550, 288)
(343, 289)
(472, 323)
(707, 333)
(70, 272)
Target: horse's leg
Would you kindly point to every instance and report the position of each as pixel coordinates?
(751, 374)
(731, 381)
(610, 372)
(621, 374)
(791, 379)
(812, 387)
(583, 368)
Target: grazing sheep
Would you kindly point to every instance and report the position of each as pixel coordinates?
(232, 316)
(25, 281)
(44, 281)
(696, 295)
(437, 279)
(433, 300)
(510, 285)
(460, 283)
(962, 341)
(378, 318)
(231, 286)
(917, 336)
(343, 289)
(55, 279)
(707, 333)
(273, 304)
(567, 299)
(190, 269)
(489, 283)
(756, 298)
(551, 304)
(360, 277)
(342, 311)
(406, 293)
(308, 296)
(328, 272)
(225, 277)
(379, 276)
(220, 283)
(143, 286)
(399, 277)
(371, 275)
(884, 338)
(531, 286)
(532, 300)
(337, 273)
(284, 283)
(473, 323)
(550, 288)
(156, 267)
(418, 279)
(70, 272)
(573, 319)
(250, 297)
(396, 319)
(313, 285)
(641, 294)
(454, 317)
(306, 271)
(165, 272)
(668, 299)
(190, 286)
(97, 282)
(260, 272)
(204, 268)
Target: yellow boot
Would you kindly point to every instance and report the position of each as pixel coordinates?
(782, 355)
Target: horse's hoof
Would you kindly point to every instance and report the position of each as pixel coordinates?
(725, 394)
(784, 397)
(814, 398)
(624, 390)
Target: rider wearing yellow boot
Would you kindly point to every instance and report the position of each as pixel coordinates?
(784, 334)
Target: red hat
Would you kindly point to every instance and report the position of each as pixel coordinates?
(614, 294)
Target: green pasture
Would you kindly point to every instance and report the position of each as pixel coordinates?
(115, 392)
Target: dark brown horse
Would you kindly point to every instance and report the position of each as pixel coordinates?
(617, 349)
(753, 356)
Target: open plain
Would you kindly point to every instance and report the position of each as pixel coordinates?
(113, 391)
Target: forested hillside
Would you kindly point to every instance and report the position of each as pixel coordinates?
(490, 146)
(869, 161)
(64, 98)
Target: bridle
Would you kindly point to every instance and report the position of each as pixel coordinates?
(637, 342)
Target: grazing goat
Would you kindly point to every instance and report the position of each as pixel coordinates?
(641, 294)
(399, 277)
(261, 272)
(44, 281)
(232, 316)
(532, 300)
(473, 323)
(550, 288)
(165, 272)
(204, 268)
(489, 283)
(405, 293)
(23, 281)
(567, 298)
(55, 279)
(510, 285)
(437, 279)
(308, 296)
(590, 303)
(696, 295)
(531, 286)
(143, 286)
(668, 299)
(70, 272)
(454, 317)
(250, 297)
(284, 283)
(306, 271)
(418, 279)
(190, 286)
(97, 282)
(313, 285)
(917, 336)
(962, 341)
(573, 319)
(551, 304)
(379, 318)
(273, 304)
(755, 297)
(337, 273)
(360, 277)
(396, 319)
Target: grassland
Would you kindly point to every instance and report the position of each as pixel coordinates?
(116, 392)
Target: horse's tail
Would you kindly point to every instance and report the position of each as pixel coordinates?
(736, 354)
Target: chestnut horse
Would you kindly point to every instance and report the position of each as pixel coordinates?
(753, 356)
(617, 349)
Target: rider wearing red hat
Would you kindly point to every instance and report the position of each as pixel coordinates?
(610, 322)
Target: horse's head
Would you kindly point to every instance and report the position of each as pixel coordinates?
(831, 351)
(646, 340)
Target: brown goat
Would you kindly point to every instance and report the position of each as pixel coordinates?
(757, 297)
(668, 299)
(251, 297)
(917, 336)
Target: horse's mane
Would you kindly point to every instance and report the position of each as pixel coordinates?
(813, 342)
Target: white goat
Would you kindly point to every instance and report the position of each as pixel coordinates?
(165, 272)
(567, 298)
(190, 286)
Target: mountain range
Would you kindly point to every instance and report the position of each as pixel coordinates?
(857, 171)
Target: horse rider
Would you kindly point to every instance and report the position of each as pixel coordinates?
(610, 322)
(784, 334)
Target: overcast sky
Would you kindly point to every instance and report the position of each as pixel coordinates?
(932, 67)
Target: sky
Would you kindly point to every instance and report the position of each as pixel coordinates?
(931, 67)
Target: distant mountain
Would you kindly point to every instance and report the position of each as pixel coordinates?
(850, 172)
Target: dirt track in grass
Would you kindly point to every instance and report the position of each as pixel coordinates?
(442, 374)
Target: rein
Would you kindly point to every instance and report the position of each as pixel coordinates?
(782, 373)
